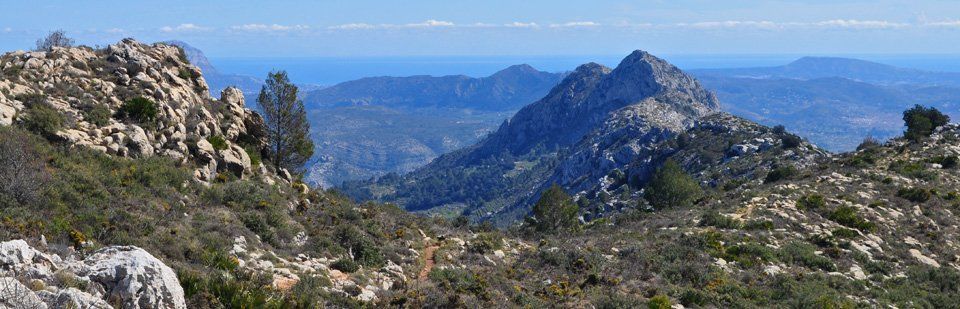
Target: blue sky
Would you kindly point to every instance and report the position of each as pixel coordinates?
(296, 28)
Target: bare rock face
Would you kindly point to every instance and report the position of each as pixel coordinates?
(72, 298)
(133, 276)
(124, 275)
(76, 80)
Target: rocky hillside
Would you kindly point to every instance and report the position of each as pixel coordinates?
(594, 121)
(132, 100)
(781, 224)
(133, 188)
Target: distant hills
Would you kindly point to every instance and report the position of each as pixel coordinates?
(835, 102)
(855, 69)
(506, 90)
(374, 126)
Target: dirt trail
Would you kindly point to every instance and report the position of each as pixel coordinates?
(429, 254)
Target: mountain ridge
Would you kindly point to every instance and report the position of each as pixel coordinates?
(855, 69)
(641, 101)
(505, 90)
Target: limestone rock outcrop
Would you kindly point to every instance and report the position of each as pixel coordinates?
(81, 83)
(119, 275)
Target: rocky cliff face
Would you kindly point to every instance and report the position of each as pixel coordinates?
(594, 121)
(77, 81)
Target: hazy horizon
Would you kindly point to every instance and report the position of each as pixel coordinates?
(332, 70)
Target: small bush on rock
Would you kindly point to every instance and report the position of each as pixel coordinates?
(218, 142)
(139, 109)
(780, 173)
(98, 115)
(813, 201)
(345, 265)
(43, 119)
(917, 195)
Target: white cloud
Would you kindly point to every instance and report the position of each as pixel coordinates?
(183, 28)
(7, 29)
(273, 27)
(731, 24)
(575, 24)
(354, 26)
(518, 24)
(482, 25)
(944, 24)
(860, 24)
(115, 30)
(430, 23)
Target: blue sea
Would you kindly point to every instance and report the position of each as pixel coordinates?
(333, 70)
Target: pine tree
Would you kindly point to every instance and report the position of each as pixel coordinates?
(555, 211)
(921, 121)
(287, 128)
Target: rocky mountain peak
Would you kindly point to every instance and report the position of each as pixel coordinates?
(517, 69)
(642, 75)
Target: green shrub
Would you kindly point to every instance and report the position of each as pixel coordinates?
(917, 195)
(847, 216)
(812, 201)
(672, 187)
(800, 253)
(185, 73)
(219, 260)
(345, 265)
(43, 119)
(254, 155)
(659, 302)
(790, 141)
(758, 225)
(715, 219)
(912, 169)
(946, 162)
(140, 109)
(98, 115)
(218, 142)
(460, 281)
(23, 174)
(780, 173)
(844, 233)
(486, 243)
(365, 251)
(750, 254)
